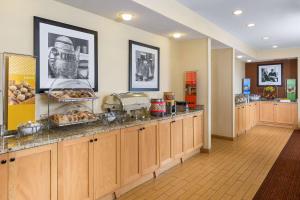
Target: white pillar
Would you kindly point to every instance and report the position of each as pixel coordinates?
(233, 94)
(207, 144)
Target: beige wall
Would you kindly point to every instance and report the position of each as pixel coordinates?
(16, 36)
(238, 76)
(194, 55)
(222, 90)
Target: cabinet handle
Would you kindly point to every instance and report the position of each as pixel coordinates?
(173, 121)
(12, 159)
(91, 140)
(194, 116)
(95, 140)
(144, 128)
(3, 162)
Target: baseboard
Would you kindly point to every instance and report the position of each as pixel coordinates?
(168, 166)
(223, 137)
(190, 154)
(277, 125)
(110, 196)
(134, 184)
(205, 150)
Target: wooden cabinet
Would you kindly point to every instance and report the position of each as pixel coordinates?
(257, 114)
(165, 147)
(130, 159)
(177, 138)
(267, 112)
(241, 119)
(149, 148)
(237, 130)
(188, 134)
(180, 136)
(106, 163)
(285, 113)
(4, 177)
(248, 116)
(253, 115)
(33, 173)
(279, 113)
(139, 152)
(198, 130)
(75, 169)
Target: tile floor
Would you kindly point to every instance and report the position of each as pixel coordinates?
(233, 170)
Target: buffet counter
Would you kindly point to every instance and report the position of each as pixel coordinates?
(265, 112)
(56, 135)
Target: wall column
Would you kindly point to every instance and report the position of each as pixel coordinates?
(208, 111)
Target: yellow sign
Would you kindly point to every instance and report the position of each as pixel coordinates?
(20, 90)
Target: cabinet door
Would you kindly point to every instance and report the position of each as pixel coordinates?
(75, 169)
(130, 159)
(248, 116)
(188, 134)
(106, 163)
(198, 130)
(252, 116)
(257, 112)
(242, 120)
(4, 177)
(267, 111)
(33, 173)
(165, 153)
(237, 130)
(176, 133)
(284, 113)
(149, 148)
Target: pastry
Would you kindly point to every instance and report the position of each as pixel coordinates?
(65, 94)
(19, 93)
(73, 117)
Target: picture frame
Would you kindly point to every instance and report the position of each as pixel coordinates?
(64, 52)
(144, 67)
(270, 74)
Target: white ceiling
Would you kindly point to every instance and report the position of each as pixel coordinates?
(278, 19)
(145, 18)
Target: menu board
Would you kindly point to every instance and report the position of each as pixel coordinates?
(20, 91)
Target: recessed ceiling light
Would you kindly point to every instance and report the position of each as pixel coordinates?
(249, 60)
(126, 16)
(177, 35)
(240, 56)
(251, 25)
(237, 12)
(266, 38)
(275, 46)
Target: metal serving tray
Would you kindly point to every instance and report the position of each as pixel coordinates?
(72, 123)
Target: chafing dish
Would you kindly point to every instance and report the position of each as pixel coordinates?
(133, 105)
(29, 128)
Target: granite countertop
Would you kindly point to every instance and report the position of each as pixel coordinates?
(262, 100)
(51, 136)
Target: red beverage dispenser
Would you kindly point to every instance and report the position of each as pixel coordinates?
(191, 88)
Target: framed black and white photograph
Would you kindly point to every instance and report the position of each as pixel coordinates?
(143, 67)
(64, 52)
(270, 75)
